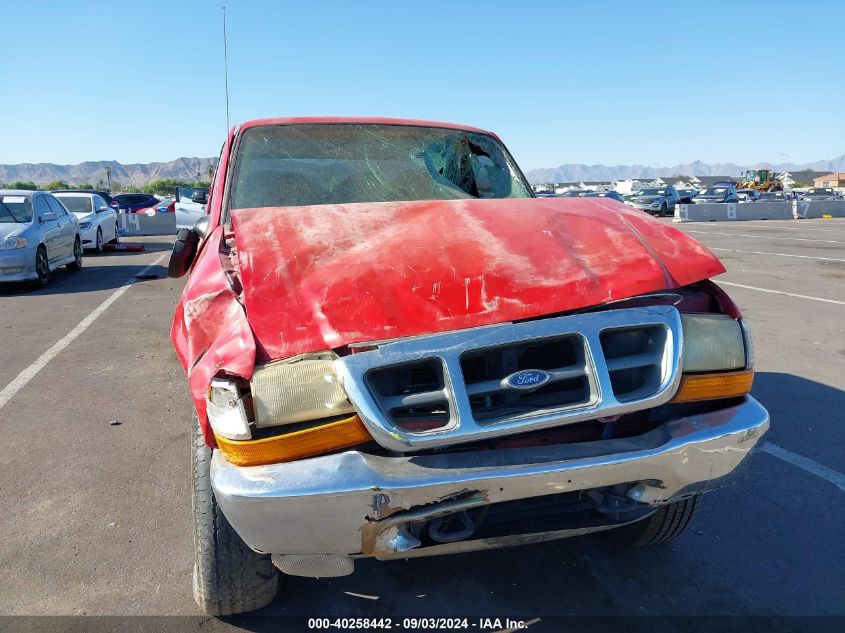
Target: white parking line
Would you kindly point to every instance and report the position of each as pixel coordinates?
(770, 237)
(30, 372)
(736, 250)
(806, 464)
(779, 292)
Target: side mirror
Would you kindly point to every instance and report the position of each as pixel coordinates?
(102, 209)
(200, 197)
(184, 251)
(186, 246)
(48, 217)
(201, 227)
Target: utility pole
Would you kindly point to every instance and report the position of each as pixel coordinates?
(108, 177)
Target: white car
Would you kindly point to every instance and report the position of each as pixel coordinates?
(189, 205)
(97, 220)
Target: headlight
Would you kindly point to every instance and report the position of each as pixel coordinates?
(714, 342)
(226, 412)
(84, 225)
(718, 358)
(12, 243)
(300, 389)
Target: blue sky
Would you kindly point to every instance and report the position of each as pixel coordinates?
(583, 82)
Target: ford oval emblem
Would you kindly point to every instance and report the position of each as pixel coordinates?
(527, 379)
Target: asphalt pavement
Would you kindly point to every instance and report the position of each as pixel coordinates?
(94, 475)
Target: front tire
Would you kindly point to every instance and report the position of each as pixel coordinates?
(76, 264)
(42, 267)
(228, 576)
(98, 245)
(668, 523)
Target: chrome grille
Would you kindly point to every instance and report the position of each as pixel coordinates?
(450, 388)
(634, 357)
(485, 370)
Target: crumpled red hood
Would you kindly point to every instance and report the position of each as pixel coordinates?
(320, 277)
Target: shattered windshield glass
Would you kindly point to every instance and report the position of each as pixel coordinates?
(313, 164)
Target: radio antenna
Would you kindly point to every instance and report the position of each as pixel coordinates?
(226, 68)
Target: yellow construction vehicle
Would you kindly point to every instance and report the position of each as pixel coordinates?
(760, 179)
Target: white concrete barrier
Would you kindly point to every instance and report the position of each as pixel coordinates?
(819, 209)
(135, 224)
(719, 212)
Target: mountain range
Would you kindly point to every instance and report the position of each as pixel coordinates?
(93, 172)
(604, 173)
(194, 169)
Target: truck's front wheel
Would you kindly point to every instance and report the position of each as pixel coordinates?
(228, 576)
(669, 522)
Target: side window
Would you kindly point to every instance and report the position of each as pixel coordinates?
(41, 206)
(56, 206)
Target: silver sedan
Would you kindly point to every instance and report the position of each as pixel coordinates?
(37, 235)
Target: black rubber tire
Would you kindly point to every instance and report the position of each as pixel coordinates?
(76, 264)
(98, 244)
(116, 239)
(228, 576)
(669, 522)
(42, 268)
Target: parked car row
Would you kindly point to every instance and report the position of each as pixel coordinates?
(661, 201)
(590, 193)
(187, 203)
(41, 231)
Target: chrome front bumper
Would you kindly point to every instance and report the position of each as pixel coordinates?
(358, 504)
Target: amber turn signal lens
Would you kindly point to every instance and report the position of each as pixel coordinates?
(695, 388)
(297, 445)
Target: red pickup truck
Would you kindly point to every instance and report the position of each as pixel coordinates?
(396, 350)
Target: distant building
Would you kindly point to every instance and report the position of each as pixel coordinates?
(786, 179)
(836, 179)
(626, 186)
